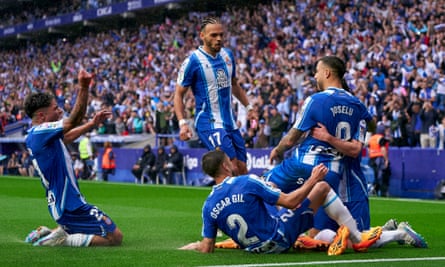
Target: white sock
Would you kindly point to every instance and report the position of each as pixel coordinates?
(78, 240)
(387, 237)
(326, 235)
(338, 212)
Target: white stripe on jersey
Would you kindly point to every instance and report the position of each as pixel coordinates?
(212, 89)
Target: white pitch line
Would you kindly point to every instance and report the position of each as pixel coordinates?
(329, 262)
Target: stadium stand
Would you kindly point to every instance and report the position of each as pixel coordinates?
(395, 52)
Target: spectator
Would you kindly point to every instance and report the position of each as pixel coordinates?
(283, 106)
(26, 168)
(262, 140)
(101, 129)
(400, 91)
(86, 155)
(149, 127)
(162, 117)
(145, 166)
(249, 138)
(2, 168)
(95, 169)
(77, 165)
(173, 124)
(120, 126)
(2, 128)
(379, 162)
(110, 126)
(426, 92)
(414, 126)
(175, 165)
(372, 106)
(276, 126)
(293, 115)
(441, 130)
(108, 161)
(135, 123)
(428, 134)
(440, 89)
(13, 164)
(398, 123)
(161, 165)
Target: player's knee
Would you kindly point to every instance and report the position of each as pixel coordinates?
(116, 238)
(322, 188)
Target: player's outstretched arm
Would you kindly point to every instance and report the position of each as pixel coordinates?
(289, 140)
(80, 107)
(75, 133)
(206, 245)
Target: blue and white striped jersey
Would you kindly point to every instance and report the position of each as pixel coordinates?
(54, 166)
(210, 79)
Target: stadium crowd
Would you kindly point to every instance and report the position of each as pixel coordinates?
(33, 10)
(395, 51)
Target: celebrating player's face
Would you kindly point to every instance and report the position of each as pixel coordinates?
(51, 113)
(318, 75)
(212, 37)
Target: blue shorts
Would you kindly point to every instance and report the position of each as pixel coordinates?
(360, 212)
(231, 142)
(290, 174)
(87, 219)
(296, 222)
(358, 209)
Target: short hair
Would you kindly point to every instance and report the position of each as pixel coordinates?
(337, 66)
(107, 144)
(35, 101)
(211, 162)
(209, 20)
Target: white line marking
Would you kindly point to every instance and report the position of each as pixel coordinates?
(330, 262)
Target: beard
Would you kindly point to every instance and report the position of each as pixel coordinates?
(213, 47)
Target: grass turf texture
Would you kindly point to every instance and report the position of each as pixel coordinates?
(156, 220)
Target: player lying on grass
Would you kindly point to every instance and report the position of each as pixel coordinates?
(79, 223)
(242, 207)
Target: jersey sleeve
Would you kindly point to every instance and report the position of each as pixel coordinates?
(209, 225)
(185, 74)
(262, 190)
(232, 59)
(306, 120)
(47, 132)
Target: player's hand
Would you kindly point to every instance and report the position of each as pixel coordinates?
(320, 133)
(185, 133)
(101, 116)
(191, 246)
(274, 156)
(84, 78)
(319, 172)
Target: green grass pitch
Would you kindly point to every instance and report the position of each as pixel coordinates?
(156, 220)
